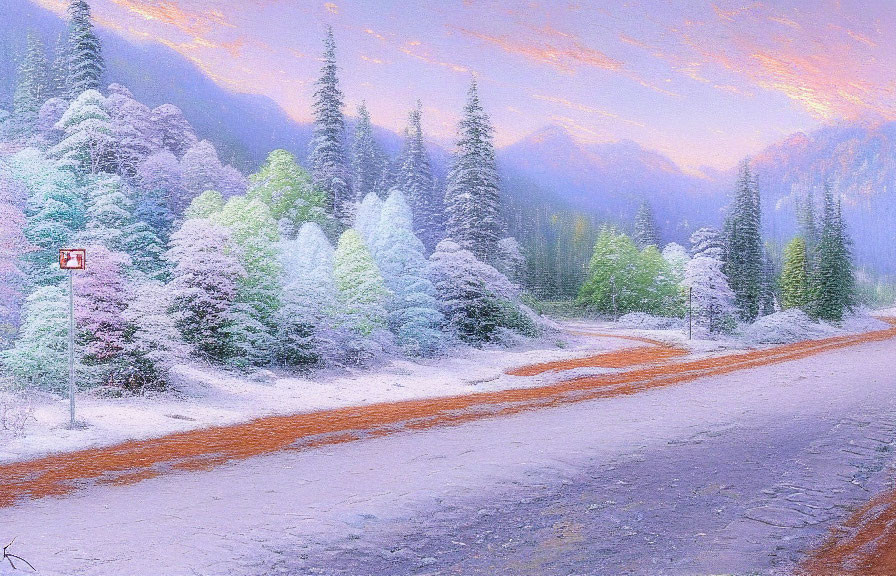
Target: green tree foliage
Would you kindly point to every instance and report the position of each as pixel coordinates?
(623, 279)
(287, 190)
(795, 275)
(362, 291)
(833, 279)
(744, 254)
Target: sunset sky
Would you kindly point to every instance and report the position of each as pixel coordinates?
(705, 83)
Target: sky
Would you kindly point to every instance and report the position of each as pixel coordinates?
(704, 82)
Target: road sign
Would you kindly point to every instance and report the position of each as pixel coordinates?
(72, 258)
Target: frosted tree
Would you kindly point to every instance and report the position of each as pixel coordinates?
(152, 208)
(231, 182)
(13, 246)
(677, 258)
(306, 332)
(511, 260)
(413, 312)
(54, 212)
(743, 239)
(176, 134)
(286, 188)
(204, 284)
(108, 213)
(367, 216)
(134, 132)
(152, 343)
(713, 306)
(708, 242)
(254, 239)
(48, 135)
(201, 168)
(367, 157)
(768, 289)
(476, 299)
(645, 227)
(85, 56)
(833, 279)
(161, 174)
(472, 198)
(416, 180)
(40, 355)
(795, 275)
(33, 87)
(87, 144)
(362, 295)
(100, 300)
(207, 205)
(329, 169)
(59, 75)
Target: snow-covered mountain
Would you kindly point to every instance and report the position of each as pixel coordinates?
(611, 179)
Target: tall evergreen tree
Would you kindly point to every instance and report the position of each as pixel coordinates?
(59, 70)
(367, 158)
(33, 87)
(645, 228)
(833, 280)
(85, 54)
(416, 180)
(473, 197)
(329, 170)
(743, 257)
(707, 242)
(795, 275)
(362, 294)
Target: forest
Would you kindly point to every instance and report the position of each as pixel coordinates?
(339, 258)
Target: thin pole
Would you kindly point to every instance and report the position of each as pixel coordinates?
(71, 350)
(690, 309)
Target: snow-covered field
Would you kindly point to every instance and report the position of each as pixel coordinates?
(206, 396)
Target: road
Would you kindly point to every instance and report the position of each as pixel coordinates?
(731, 471)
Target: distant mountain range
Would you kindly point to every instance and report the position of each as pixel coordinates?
(608, 180)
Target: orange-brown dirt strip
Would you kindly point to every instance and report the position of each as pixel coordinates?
(206, 448)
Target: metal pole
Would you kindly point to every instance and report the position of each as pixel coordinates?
(71, 350)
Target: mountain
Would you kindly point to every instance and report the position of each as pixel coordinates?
(859, 161)
(611, 179)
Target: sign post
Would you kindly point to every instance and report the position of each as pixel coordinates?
(71, 259)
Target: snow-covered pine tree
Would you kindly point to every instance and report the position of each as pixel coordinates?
(708, 242)
(768, 295)
(808, 224)
(306, 331)
(108, 213)
(286, 188)
(414, 315)
(743, 239)
(161, 174)
(175, 131)
(512, 261)
(134, 133)
(13, 246)
(152, 208)
(833, 280)
(795, 275)
(152, 343)
(362, 295)
(47, 134)
(367, 158)
(367, 216)
(59, 69)
(204, 284)
(329, 169)
(645, 227)
(40, 354)
(254, 238)
(100, 300)
(416, 180)
(712, 300)
(85, 55)
(32, 88)
(472, 199)
(87, 145)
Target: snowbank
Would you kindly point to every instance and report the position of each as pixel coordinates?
(787, 327)
(643, 321)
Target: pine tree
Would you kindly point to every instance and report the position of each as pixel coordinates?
(85, 56)
(134, 133)
(33, 87)
(768, 296)
(87, 145)
(204, 284)
(743, 258)
(59, 74)
(795, 275)
(329, 170)
(40, 354)
(286, 188)
(416, 180)
(712, 300)
(362, 294)
(708, 242)
(808, 225)
(305, 322)
(13, 246)
(367, 217)
(367, 158)
(108, 213)
(413, 311)
(152, 343)
(833, 281)
(175, 131)
(472, 199)
(645, 228)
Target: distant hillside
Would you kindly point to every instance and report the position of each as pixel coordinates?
(610, 180)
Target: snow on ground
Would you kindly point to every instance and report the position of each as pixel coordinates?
(737, 473)
(206, 396)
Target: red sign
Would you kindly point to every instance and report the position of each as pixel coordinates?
(72, 258)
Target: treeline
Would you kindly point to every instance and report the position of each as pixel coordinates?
(729, 275)
(360, 255)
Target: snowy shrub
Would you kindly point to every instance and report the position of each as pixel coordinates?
(16, 410)
(792, 325)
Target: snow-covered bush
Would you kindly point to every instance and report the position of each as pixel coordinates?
(712, 300)
(788, 326)
(16, 410)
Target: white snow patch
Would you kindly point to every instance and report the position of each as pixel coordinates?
(648, 322)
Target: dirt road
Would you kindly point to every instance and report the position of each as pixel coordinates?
(132, 462)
